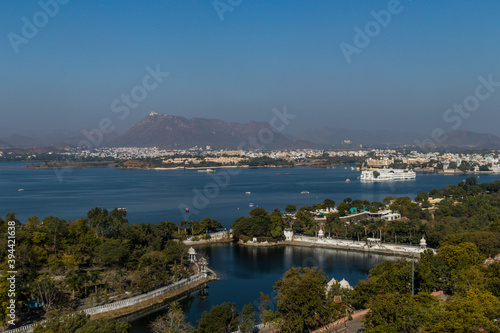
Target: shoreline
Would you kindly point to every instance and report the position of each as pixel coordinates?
(149, 303)
(301, 243)
(129, 310)
(209, 242)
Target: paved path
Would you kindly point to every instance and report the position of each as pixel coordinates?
(339, 324)
(354, 325)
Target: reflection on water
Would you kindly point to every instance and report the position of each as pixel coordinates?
(246, 271)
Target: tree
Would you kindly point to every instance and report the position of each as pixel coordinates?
(301, 299)
(247, 318)
(111, 252)
(50, 292)
(54, 227)
(222, 318)
(435, 193)
(422, 197)
(291, 209)
(172, 322)
(393, 312)
(79, 322)
(459, 256)
(473, 312)
(329, 203)
(266, 314)
(343, 208)
(105, 326)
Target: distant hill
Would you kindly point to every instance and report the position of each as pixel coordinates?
(19, 140)
(335, 136)
(161, 130)
(54, 138)
(472, 139)
(4, 144)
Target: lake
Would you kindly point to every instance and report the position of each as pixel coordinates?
(246, 271)
(152, 196)
(163, 195)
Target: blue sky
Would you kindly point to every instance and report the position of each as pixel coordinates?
(262, 55)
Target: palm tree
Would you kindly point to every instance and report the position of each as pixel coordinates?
(95, 277)
(364, 224)
(73, 282)
(358, 230)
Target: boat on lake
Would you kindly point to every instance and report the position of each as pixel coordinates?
(207, 170)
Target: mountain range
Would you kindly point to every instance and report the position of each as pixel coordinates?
(175, 132)
(162, 130)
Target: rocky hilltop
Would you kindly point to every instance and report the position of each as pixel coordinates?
(168, 131)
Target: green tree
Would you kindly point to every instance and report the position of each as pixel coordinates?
(422, 197)
(301, 299)
(172, 322)
(459, 256)
(222, 318)
(329, 203)
(473, 312)
(79, 322)
(247, 318)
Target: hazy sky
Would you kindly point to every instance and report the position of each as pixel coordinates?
(242, 59)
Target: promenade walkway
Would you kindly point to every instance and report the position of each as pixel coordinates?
(126, 303)
(385, 248)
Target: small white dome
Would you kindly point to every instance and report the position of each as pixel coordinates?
(345, 284)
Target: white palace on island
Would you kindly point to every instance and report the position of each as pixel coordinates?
(387, 175)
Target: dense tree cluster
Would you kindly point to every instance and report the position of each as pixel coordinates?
(64, 265)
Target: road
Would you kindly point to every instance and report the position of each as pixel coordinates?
(355, 324)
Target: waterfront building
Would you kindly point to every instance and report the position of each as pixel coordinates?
(423, 243)
(381, 175)
(288, 234)
(388, 215)
(321, 234)
(192, 255)
(379, 163)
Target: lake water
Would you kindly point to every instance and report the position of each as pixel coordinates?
(162, 195)
(246, 271)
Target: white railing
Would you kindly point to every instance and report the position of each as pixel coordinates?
(123, 303)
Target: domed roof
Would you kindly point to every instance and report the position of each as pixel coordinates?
(345, 284)
(191, 251)
(321, 233)
(330, 284)
(422, 241)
